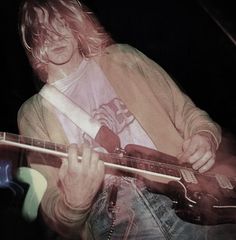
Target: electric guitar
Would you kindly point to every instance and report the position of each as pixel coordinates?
(201, 198)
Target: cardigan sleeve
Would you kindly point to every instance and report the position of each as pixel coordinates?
(185, 115)
(58, 215)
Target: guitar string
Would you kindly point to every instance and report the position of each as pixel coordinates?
(155, 162)
(64, 148)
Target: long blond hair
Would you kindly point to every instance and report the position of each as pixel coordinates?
(91, 36)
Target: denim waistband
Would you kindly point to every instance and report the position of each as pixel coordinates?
(140, 214)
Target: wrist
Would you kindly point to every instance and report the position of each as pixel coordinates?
(76, 205)
(210, 138)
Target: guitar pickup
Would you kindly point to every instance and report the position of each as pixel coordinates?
(188, 176)
(224, 182)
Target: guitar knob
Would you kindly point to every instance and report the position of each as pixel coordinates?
(205, 199)
(198, 195)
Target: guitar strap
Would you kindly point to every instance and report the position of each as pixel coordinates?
(101, 134)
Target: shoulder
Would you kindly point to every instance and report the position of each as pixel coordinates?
(119, 48)
(130, 56)
(121, 51)
(30, 107)
(126, 55)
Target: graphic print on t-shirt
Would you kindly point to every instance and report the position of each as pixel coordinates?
(114, 115)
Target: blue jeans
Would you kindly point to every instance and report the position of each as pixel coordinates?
(140, 214)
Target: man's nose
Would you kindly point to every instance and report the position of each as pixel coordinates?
(56, 37)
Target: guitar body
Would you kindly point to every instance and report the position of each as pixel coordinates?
(205, 199)
(196, 205)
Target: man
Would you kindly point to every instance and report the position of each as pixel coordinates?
(132, 100)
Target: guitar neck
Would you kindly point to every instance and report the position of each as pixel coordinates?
(28, 143)
(115, 161)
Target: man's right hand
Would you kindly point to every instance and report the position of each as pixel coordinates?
(81, 180)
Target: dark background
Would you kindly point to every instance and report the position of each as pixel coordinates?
(193, 40)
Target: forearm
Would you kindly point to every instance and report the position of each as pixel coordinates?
(193, 120)
(189, 119)
(61, 217)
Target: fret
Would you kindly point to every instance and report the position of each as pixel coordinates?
(50, 145)
(61, 148)
(12, 137)
(143, 166)
(152, 167)
(118, 161)
(123, 161)
(131, 163)
(25, 140)
(161, 170)
(134, 164)
(114, 160)
(38, 143)
(173, 172)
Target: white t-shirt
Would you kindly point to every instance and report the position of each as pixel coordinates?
(89, 88)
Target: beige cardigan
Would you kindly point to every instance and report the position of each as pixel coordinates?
(167, 115)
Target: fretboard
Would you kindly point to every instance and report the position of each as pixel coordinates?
(162, 167)
(116, 161)
(33, 144)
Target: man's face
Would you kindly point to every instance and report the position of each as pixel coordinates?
(59, 43)
(60, 48)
